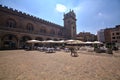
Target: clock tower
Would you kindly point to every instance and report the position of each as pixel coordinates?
(70, 25)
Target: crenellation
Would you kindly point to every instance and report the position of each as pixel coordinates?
(70, 14)
(31, 16)
(34, 17)
(16, 10)
(11, 9)
(24, 13)
(28, 15)
(44, 21)
(5, 7)
(37, 18)
(20, 12)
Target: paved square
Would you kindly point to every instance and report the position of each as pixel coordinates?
(36, 65)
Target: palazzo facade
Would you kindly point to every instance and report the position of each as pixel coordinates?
(17, 27)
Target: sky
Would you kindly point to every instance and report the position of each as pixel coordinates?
(91, 15)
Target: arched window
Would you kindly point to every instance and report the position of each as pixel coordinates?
(60, 33)
(11, 23)
(42, 30)
(30, 27)
(52, 31)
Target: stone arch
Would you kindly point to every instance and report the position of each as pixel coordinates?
(9, 41)
(43, 30)
(25, 38)
(11, 23)
(48, 38)
(55, 39)
(60, 39)
(29, 27)
(39, 38)
(23, 41)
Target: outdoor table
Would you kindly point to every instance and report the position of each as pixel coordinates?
(66, 50)
(50, 50)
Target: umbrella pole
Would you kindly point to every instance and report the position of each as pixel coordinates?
(32, 46)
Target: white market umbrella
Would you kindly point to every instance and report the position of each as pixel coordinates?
(78, 42)
(48, 41)
(88, 42)
(69, 41)
(97, 42)
(33, 41)
(74, 42)
(61, 41)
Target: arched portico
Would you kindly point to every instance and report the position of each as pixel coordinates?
(39, 38)
(55, 39)
(23, 41)
(48, 38)
(9, 41)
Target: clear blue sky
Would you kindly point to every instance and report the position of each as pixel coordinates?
(92, 15)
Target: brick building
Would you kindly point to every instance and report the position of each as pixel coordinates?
(86, 36)
(112, 35)
(17, 27)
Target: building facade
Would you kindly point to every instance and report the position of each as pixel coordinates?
(112, 35)
(115, 34)
(100, 35)
(86, 36)
(17, 27)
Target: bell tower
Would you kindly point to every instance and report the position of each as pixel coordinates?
(70, 25)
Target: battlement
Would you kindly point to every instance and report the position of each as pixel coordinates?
(70, 14)
(22, 14)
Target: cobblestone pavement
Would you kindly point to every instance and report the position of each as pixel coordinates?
(36, 65)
